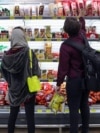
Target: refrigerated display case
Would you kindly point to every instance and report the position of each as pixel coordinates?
(44, 34)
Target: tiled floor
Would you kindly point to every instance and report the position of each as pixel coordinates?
(94, 130)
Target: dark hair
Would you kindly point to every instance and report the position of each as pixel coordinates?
(72, 26)
(19, 27)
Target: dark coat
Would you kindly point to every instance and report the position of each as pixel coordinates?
(14, 68)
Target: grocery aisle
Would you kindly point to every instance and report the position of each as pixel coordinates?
(92, 130)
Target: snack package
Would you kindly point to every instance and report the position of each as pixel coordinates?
(57, 103)
(88, 6)
(99, 8)
(60, 9)
(44, 96)
(74, 8)
(17, 10)
(66, 6)
(95, 8)
(81, 6)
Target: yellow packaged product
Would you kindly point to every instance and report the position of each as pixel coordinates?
(57, 103)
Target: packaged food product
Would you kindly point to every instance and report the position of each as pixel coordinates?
(95, 8)
(42, 33)
(57, 103)
(22, 11)
(43, 74)
(66, 6)
(48, 50)
(41, 55)
(45, 95)
(74, 8)
(98, 8)
(41, 8)
(50, 74)
(17, 10)
(36, 33)
(46, 12)
(88, 7)
(60, 9)
(27, 10)
(51, 9)
(33, 10)
(80, 5)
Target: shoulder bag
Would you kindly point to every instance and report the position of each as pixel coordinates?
(33, 81)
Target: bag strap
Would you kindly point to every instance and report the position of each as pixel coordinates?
(78, 45)
(85, 41)
(30, 60)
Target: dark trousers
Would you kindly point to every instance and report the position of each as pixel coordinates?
(78, 100)
(29, 111)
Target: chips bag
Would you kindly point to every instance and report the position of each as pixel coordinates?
(57, 103)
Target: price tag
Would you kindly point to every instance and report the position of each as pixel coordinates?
(66, 110)
(48, 39)
(93, 110)
(39, 110)
(48, 111)
(54, 17)
(12, 17)
(62, 17)
(50, 80)
(39, 17)
(38, 39)
(28, 38)
(5, 39)
(27, 17)
(8, 110)
(33, 17)
(58, 39)
(48, 60)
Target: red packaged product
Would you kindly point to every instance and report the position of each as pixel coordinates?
(67, 10)
(95, 8)
(74, 8)
(99, 8)
(45, 95)
(3, 89)
(80, 4)
(88, 7)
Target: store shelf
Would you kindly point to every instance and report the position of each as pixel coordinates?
(46, 39)
(45, 17)
(44, 116)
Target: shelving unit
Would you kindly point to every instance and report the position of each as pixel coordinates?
(44, 117)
